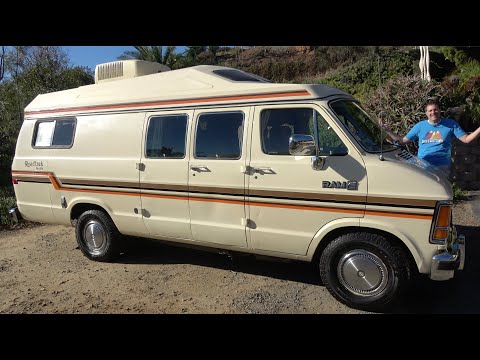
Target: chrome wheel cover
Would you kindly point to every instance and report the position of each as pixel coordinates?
(362, 273)
(95, 237)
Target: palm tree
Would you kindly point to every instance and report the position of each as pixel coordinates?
(162, 55)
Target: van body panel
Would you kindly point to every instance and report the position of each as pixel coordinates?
(328, 228)
(409, 231)
(217, 184)
(31, 166)
(164, 183)
(387, 177)
(189, 86)
(101, 162)
(290, 227)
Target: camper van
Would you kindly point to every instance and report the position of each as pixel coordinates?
(220, 158)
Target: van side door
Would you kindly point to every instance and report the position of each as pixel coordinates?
(288, 200)
(217, 176)
(164, 174)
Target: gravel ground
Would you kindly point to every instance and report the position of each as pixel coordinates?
(43, 271)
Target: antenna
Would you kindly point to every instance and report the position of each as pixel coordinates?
(380, 157)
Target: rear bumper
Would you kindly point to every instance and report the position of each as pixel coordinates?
(15, 215)
(447, 262)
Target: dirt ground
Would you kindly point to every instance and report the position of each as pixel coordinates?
(42, 271)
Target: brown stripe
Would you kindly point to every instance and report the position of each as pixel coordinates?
(225, 201)
(307, 207)
(164, 187)
(396, 201)
(217, 190)
(173, 197)
(312, 196)
(174, 102)
(31, 178)
(57, 186)
(99, 183)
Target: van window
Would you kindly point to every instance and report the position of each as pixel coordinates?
(219, 135)
(277, 125)
(362, 127)
(166, 137)
(54, 133)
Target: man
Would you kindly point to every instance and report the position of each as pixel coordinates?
(435, 135)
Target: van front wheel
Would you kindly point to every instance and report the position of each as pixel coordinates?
(97, 236)
(363, 270)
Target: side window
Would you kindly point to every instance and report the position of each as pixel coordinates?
(166, 137)
(54, 133)
(63, 135)
(277, 125)
(328, 140)
(219, 135)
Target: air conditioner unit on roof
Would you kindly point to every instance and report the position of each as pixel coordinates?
(126, 69)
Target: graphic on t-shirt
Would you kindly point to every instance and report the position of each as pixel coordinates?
(433, 137)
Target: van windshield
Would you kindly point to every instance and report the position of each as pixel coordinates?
(362, 127)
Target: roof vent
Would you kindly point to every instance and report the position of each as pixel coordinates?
(125, 69)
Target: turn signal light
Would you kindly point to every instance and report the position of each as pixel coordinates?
(443, 219)
(441, 227)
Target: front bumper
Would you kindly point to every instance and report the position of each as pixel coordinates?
(448, 261)
(15, 215)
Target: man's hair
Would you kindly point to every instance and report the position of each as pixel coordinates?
(432, 102)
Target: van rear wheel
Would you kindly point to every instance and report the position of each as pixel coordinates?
(364, 270)
(97, 236)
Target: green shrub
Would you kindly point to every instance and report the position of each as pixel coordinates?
(365, 75)
(7, 201)
(400, 102)
(458, 193)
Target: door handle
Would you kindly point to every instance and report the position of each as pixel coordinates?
(263, 170)
(199, 168)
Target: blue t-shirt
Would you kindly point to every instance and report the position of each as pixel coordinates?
(434, 141)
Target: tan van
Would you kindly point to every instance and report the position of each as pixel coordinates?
(221, 158)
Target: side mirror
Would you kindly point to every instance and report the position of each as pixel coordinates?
(300, 144)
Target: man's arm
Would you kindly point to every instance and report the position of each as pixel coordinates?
(470, 137)
(395, 137)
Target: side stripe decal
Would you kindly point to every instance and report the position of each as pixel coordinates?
(172, 102)
(40, 177)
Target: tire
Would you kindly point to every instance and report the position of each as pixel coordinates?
(97, 236)
(364, 270)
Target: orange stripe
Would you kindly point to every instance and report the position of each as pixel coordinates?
(173, 102)
(401, 215)
(217, 200)
(57, 186)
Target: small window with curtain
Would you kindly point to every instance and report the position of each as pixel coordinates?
(56, 134)
(166, 137)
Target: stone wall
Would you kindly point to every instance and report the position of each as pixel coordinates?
(466, 164)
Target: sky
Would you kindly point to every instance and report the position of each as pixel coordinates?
(93, 55)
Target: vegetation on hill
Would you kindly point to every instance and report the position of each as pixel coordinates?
(386, 79)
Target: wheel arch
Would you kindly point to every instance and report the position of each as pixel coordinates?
(333, 230)
(81, 206)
